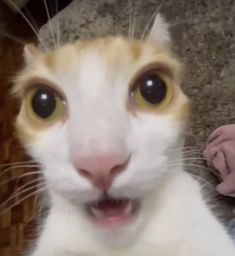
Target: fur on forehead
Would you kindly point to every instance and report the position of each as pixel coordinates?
(116, 51)
(159, 35)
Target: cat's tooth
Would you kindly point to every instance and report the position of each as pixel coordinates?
(97, 213)
(128, 209)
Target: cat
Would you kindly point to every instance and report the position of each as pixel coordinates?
(105, 119)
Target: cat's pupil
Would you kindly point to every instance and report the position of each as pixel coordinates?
(43, 103)
(153, 89)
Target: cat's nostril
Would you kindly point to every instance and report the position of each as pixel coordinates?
(101, 171)
(119, 168)
(85, 173)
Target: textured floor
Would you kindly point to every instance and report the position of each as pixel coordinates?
(204, 37)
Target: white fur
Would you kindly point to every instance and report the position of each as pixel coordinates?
(159, 32)
(178, 223)
(174, 219)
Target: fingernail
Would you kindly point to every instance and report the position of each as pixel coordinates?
(222, 189)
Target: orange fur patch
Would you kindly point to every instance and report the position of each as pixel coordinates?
(183, 111)
(25, 134)
(117, 54)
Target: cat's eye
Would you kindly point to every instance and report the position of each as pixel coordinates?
(152, 89)
(44, 105)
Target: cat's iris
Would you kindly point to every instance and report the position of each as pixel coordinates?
(152, 90)
(44, 105)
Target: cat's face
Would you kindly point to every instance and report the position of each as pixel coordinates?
(103, 119)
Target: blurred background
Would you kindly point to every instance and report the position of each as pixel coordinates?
(204, 38)
(17, 225)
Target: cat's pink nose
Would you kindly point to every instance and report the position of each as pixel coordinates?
(101, 170)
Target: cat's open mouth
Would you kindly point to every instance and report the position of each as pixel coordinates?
(112, 213)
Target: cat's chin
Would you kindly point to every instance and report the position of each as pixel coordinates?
(112, 213)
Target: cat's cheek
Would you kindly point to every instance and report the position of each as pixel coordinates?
(25, 134)
(63, 180)
(51, 145)
(143, 175)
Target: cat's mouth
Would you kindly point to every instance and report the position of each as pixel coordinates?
(112, 213)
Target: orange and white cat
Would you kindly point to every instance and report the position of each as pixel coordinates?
(105, 120)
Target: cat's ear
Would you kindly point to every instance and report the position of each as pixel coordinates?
(30, 52)
(159, 32)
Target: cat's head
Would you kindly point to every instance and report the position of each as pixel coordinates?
(104, 118)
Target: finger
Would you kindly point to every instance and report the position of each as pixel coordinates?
(232, 194)
(210, 152)
(223, 133)
(217, 140)
(229, 149)
(216, 133)
(217, 174)
(219, 163)
(227, 187)
(205, 155)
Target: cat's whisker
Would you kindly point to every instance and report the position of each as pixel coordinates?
(190, 165)
(187, 159)
(193, 158)
(188, 148)
(5, 171)
(191, 152)
(197, 166)
(190, 155)
(185, 151)
(24, 188)
(36, 180)
(130, 7)
(57, 22)
(19, 192)
(17, 179)
(17, 163)
(199, 21)
(4, 168)
(50, 23)
(132, 35)
(32, 20)
(182, 149)
(146, 28)
(36, 192)
(13, 38)
(196, 157)
(203, 181)
(29, 23)
(181, 161)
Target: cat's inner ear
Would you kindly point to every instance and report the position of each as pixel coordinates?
(159, 32)
(30, 52)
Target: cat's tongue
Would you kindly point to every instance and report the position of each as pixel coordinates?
(111, 213)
